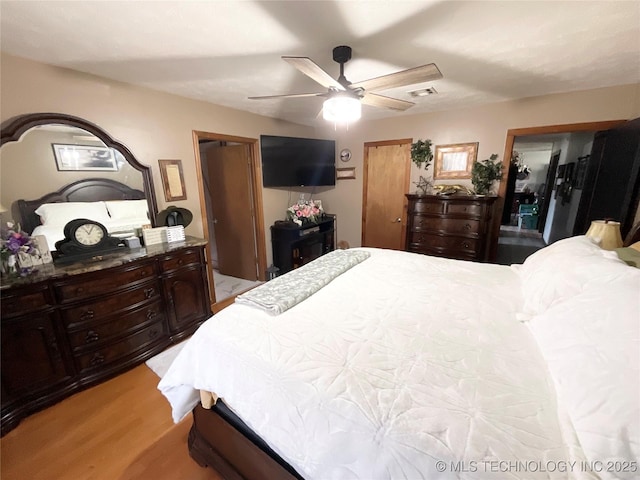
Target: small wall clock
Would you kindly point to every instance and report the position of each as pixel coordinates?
(345, 154)
(84, 238)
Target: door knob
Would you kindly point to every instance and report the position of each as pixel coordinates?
(397, 220)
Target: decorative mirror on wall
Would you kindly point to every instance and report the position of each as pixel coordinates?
(53, 158)
(454, 161)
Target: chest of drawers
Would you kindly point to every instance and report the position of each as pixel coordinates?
(450, 226)
(67, 331)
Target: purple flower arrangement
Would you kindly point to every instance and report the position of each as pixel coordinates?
(12, 243)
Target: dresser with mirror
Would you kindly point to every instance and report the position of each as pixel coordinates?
(67, 326)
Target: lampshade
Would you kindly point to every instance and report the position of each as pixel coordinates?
(342, 109)
(606, 233)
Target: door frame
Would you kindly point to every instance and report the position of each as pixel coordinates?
(512, 133)
(256, 193)
(365, 183)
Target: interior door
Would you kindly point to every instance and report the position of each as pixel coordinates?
(231, 205)
(386, 180)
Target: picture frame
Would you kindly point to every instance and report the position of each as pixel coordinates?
(346, 173)
(172, 180)
(581, 171)
(84, 158)
(454, 161)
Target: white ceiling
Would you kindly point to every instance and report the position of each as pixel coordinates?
(224, 51)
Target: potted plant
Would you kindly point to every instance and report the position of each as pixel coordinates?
(421, 153)
(484, 173)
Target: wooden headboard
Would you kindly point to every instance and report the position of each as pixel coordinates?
(89, 190)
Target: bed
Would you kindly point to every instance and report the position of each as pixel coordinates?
(411, 366)
(120, 208)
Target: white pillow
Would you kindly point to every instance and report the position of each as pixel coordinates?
(563, 269)
(59, 214)
(591, 344)
(123, 209)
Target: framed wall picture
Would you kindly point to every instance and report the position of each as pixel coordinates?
(581, 171)
(84, 158)
(172, 180)
(454, 161)
(346, 173)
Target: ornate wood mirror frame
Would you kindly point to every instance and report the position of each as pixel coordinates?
(14, 128)
(454, 161)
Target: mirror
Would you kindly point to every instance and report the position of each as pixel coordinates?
(454, 161)
(56, 158)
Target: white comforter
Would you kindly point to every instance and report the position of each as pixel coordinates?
(402, 362)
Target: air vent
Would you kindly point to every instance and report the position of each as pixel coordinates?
(423, 92)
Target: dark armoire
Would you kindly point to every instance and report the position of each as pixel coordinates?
(612, 178)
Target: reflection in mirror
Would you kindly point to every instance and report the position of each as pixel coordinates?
(73, 164)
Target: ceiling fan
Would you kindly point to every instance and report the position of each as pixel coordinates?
(342, 92)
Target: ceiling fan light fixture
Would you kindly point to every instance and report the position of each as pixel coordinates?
(342, 109)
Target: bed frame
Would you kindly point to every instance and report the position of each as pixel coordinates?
(88, 190)
(220, 440)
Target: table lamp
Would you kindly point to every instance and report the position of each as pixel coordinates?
(606, 234)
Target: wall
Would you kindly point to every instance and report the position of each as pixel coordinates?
(153, 125)
(156, 125)
(561, 217)
(487, 124)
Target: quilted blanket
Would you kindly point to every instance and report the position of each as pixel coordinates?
(282, 293)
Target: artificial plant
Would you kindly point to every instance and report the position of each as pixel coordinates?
(484, 173)
(421, 153)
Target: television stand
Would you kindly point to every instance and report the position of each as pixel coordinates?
(293, 246)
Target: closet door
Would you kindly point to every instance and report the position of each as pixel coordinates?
(386, 180)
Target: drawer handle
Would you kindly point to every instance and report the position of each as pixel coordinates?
(150, 314)
(79, 289)
(87, 315)
(465, 245)
(467, 227)
(143, 273)
(180, 262)
(149, 292)
(91, 337)
(421, 221)
(97, 359)
(153, 333)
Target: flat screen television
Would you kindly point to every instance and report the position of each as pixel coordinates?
(297, 162)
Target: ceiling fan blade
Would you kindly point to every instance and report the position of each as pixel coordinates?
(291, 95)
(376, 100)
(312, 70)
(424, 73)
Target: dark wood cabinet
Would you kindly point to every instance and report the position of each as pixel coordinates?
(293, 246)
(449, 226)
(187, 302)
(67, 332)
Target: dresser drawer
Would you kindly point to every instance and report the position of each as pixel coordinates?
(21, 302)
(116, 326)
(111, 281)
(94, 312)
(189, 257)
(449, 225)
(468, 245)
(465, 208)
(428, 207)
(121, 350)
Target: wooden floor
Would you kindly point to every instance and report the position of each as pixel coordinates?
(121, 429)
